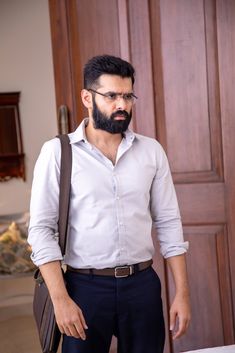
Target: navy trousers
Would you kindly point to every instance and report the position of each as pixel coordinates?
(129, 308)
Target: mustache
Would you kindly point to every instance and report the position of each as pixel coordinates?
(120, 113)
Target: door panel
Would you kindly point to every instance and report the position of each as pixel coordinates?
(192, 136)
(185, 88)
(208, 278)
(184, 55)
(226, 58)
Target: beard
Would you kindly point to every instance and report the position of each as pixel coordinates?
(108, 123)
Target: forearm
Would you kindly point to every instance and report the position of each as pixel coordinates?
(178, 269)
(180, 308)
(52, 275)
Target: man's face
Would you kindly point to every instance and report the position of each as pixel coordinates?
(112, 115)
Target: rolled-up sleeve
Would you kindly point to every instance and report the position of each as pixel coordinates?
(43, 229)
(165, 211)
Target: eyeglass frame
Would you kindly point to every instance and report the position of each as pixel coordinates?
(122, 95)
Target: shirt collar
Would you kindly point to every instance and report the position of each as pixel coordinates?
(129, 135)
(80, 134)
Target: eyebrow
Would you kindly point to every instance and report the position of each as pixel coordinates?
(119, 92)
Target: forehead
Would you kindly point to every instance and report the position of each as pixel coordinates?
(115, 83)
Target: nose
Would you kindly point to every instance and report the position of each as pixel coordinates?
(121, 103)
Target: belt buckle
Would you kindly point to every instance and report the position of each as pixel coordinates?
(129, 267)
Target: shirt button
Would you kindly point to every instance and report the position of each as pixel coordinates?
(117, 198)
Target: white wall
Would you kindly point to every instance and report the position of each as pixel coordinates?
(26, 66)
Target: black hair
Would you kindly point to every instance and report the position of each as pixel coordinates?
(106, 64)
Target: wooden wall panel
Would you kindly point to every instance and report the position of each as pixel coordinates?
(61, 50)
(93, 18)
(202, 203)
(186, 67)
(124, 33)
(226, 48)
(80, 29)
(191, 82)
(89, 35)
(208, 269)
(185, 85)
(140, 45)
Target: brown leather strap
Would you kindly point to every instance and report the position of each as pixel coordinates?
(118, 272)
(65, 182)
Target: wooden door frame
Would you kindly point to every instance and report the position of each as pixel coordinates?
(62, 44)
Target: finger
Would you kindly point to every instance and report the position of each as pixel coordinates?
(177, 334)
(183, 323)
(61, 329)
(73, 331)
(172, 320)
(80, 331)
(83, 321)
(67, 331)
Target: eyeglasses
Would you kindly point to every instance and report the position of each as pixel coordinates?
(111, 97)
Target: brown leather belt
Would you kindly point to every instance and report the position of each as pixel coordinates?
(118, 272)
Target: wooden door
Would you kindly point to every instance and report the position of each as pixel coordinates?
(184, 54)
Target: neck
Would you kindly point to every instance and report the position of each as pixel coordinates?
(100, 137)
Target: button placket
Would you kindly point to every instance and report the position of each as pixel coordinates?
(120, 220)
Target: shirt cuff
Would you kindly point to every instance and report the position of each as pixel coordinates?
(174, 249)
(45, 255)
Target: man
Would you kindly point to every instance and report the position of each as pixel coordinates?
(120, 185)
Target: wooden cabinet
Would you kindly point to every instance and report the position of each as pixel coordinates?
(184, 55)
(11, 147)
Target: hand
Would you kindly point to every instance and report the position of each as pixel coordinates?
(180, 315)
(69, 318)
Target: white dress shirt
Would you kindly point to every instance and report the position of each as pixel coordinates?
(112, 208)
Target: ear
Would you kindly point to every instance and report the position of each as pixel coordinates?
(86, 98)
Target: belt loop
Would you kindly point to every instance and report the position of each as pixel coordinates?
(91, 273)
(136, 268)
